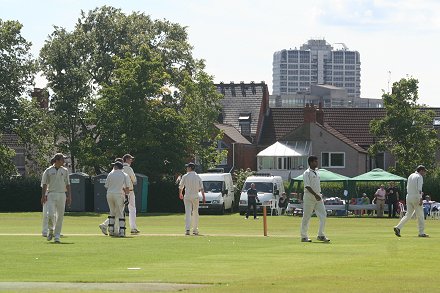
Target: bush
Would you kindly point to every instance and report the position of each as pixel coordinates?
(20, 194)
(239, 177)
(431, 184)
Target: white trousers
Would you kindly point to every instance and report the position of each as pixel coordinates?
(45, 223)
(116, 205)
(132, 210)
(310, 203)
(56, 204)
(191, 213)
(413, 206)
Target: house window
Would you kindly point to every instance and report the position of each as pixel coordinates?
(333, 160)
(220, 147)
(244, 120)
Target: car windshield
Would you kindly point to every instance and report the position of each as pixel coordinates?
(213, 186)
(260, 186)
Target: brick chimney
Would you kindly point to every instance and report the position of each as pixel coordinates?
(41, 96)
(309, 113)
(320, 114)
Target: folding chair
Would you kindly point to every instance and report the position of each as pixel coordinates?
(434, 213)
(402, 210)
(274, 207)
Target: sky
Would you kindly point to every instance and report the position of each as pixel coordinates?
(395, 38)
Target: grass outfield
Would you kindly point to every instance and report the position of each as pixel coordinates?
(364, 254)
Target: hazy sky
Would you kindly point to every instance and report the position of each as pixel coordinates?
(395, 38)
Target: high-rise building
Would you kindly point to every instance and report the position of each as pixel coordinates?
(316, 62)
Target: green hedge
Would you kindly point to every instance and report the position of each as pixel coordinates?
(163, 197)
(20, 194)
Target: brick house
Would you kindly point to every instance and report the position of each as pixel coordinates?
(339, 135)
(244, 109)
(313, 135)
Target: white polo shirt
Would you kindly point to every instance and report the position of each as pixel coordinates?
(311, 179)
(57, 180)
(129, 171)
(414, 185)
(192, 183)
(116, 181)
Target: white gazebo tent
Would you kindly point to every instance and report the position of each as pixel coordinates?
(281, 158)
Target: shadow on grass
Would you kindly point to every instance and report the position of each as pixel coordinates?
(80, 214)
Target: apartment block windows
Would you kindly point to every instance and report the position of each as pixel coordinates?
(333, 160)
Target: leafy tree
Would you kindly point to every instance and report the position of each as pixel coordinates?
(35, 129)
(406, 131)
(61, 60)
(7, 168)
(16, 70)
(16, 75)
(200, 108)
(134, 118)
(240, 178)
(130, 84)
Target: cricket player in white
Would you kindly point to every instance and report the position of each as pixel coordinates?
(55, 179)
(414, 201)
(128, 159)
(192, 184)
(118, 185)
(312, 200)
(45, 225)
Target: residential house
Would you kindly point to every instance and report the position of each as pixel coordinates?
(244, 108)
(312, 135)
(351, 126)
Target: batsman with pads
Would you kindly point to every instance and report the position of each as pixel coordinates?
(118, 186)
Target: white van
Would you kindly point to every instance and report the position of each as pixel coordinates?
(219, 192)
(268, 187)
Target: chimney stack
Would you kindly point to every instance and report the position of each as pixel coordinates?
(309, 113)
(320, 114)
(41, 96)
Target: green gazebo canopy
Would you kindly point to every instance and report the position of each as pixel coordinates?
(326, 176)
(378, 175)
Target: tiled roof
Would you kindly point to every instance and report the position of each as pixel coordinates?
(242, 98)
(342, 137)
(280, 122)
(232, 133)
(353, 123)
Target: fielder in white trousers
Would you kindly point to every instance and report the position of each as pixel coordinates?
(45, 225)
(309, 204)
(191, 213)
(132, 210)
(413, 206)
(414, 187)
(56, 203)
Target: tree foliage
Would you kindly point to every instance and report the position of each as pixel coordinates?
(127, 83)
(16, 75)
(35, 130)
(406, 131)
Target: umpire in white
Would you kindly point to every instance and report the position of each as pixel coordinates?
(118, 186)
(55, 180)
(192, 184)
(312, 200)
